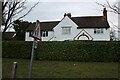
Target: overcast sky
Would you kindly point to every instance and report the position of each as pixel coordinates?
(51, 10)
(48, 10)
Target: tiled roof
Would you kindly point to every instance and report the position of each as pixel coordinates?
(48, 26)
(45, 26)
(9, 35)
(82, 22)
(91, 22)
(31, 27)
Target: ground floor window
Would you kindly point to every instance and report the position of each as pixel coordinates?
(44, 33)
(98, 31)
(30, 34)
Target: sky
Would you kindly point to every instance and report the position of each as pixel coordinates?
(51, 10)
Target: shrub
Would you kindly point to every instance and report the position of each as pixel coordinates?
(16, 49)
(85, 51)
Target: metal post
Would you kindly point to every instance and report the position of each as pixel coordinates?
(31, 62)
(14, 68)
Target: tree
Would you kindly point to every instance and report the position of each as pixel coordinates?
(20, 27)
(11, 9)
(112, 7)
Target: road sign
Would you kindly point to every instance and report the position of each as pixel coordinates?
(36, 33)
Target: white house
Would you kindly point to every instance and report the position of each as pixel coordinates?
(94, 28)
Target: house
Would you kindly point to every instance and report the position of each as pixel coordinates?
(95, 28)
(9, 35)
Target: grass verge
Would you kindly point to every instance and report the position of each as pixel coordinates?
(60, 69)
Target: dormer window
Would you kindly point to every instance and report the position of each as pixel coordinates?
(98, 31)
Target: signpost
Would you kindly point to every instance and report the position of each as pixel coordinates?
(37, 36)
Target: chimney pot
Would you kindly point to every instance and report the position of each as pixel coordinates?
(69, 15)
(65, 14)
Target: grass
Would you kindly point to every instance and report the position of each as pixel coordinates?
(60, 69)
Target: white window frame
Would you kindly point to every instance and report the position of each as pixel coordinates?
(98, 31)
(44, 33)
(66, 30)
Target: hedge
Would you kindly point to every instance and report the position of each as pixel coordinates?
(85, 51)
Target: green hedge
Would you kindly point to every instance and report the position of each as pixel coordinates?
(16, 49)
(64, 51)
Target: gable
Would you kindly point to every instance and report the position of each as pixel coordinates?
(66, 22)
(83, 33)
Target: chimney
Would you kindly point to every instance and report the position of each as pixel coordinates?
(69, 15)
(105, 12)
(65, 14)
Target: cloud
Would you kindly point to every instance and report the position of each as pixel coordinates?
(50, 11)
(72, 0)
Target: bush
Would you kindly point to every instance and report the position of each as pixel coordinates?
(16, 49)
(64, 51)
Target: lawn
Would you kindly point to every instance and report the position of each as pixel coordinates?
(60, 69)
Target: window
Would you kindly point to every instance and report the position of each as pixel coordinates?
(98, 31)
(30, 34)
(44, 33)
(66, 30)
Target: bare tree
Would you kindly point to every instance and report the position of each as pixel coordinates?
(111, 7)
(11, 9)
(114, 8)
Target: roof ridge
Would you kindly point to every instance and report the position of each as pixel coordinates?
(49, 21)
(85, 16)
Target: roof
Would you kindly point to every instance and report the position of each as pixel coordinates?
(82, 22)
(31, 27)
(48, 26)
(9, 35)
(91, 22)
(45, 26)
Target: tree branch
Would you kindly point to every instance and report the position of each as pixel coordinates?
(4, 5)
(113, 8)
(12, 8)
(27, 12)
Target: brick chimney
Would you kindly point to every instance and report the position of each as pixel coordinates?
(105, 12)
